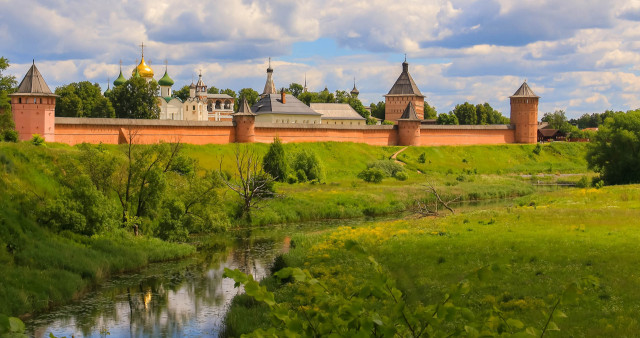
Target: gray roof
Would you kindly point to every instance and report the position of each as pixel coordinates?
(336, 111)
(33, 84)
(404, 84)
(409, 113)
(524, 91)
(244, 109)
(219, 96)
(272, 104)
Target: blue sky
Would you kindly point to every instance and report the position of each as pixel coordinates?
(581, 56)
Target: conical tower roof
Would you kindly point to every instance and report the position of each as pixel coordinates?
(33, 84)
(524, 91)
(269, 86)
(244, 109)
(409, 113)
(404, 84)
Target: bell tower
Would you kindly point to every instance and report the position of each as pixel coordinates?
(33, 106)
(524, 114)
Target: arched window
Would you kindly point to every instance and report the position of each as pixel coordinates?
(227, 104)
(209, 106)
(19, 100)
(218, 104)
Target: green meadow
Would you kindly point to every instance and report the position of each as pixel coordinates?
(538, 244)
(43, 268)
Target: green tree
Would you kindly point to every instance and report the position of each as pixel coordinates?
(309, 164)
(429, 112)
(182, 93)
(274, 162)
(82, 99)
(614, 151)
(136, 99)
(295, 89)
(466, 113)
(7, 86)
(447, 118)
(377, 109)
(213, 90)
(251, 95)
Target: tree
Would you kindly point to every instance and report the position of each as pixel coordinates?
(182, 93)
(377, 109)
(7, 86)
(466, 113)
(82, 99)
(213, 90)
(307, 166)
(251, 95)
(296, 89)
(250, 182)
(558, 120)
(274, 162)
(449, 119)
(136, 99)
(429, 112)
(614, 151)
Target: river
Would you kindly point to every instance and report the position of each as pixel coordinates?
(185, 298)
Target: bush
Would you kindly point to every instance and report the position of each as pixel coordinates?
(583, 182)
(10, 135)
(274, 162)
(37, 140)
(308, 163)
(537, 149)
(292, 179)
(401, 176)
(374, 175)
(389, 167)
(422, 158)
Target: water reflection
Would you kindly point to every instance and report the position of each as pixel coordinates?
(184, 298)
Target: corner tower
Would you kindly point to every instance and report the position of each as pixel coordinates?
(244, 121)
(33, 106)
(403, 92)
(524, 114)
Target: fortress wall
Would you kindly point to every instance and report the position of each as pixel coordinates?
(113, 131)
(373, 135)
(466, 135)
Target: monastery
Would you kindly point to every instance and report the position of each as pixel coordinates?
(209, 118)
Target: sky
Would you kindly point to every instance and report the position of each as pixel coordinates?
(582, 56)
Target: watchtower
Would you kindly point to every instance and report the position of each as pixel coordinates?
(524, 114)
(33, 106)
(403, 92)
(244, 121)
(409, 127)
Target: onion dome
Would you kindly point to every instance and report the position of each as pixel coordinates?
(166, 80)
(143, 69)
(354, 91)
(108, 91)
(120, 80)
(136, 73)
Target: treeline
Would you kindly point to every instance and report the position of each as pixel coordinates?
(8, 85)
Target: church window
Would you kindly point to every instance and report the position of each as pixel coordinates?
(227, 104)
(218, 104)
(194, 107)
(209, 106)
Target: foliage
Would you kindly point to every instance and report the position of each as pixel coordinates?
(390, 167)
(373, 175)
(296, 89)
(82, 99)
(274, 162)
(182, 93)
(251, 95)
(309, 164)
(10, 135)
(11, 327)
(558, 120)
(401, 176)
(429, 112)
(7, 86)
(480, 114)
(213, 90)
(593, 120)
(422, 158)
(377, 109)
(8, 83)
(136, 99)
(614, 151)
(447, 119)
(37, 140)
(582, 134)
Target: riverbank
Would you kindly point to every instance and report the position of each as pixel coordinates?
(518, 260)
(45, 267)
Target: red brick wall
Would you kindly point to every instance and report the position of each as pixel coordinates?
(429, 137)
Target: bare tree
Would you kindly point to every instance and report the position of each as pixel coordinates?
(424, 209)
(250, 182)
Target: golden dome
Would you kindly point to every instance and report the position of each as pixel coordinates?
(144, 70)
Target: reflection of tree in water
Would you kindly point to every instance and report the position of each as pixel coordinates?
(165, 298)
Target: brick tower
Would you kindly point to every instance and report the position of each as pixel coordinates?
(409, 127)
(244, 121)
(34, 106)
(401, 94)
(524, 114)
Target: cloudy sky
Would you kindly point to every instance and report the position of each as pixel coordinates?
(582, 56)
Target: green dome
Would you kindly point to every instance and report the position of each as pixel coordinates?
(165, 80)
(136, 74)
(107, 92)
(120, 80)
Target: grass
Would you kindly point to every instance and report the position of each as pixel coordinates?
(543, 242)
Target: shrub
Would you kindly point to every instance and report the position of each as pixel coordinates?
(422, 158)
(292, 179)
(583, 182)
(537, 149)
(308, 163)
(401, 176)
(37, 140)
(10, 135)
(275, 162)
(389, 167)
(374, 175)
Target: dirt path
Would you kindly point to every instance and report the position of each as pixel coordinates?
(393, 157)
